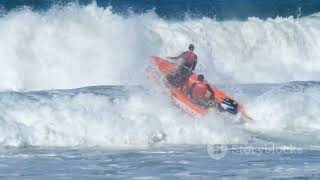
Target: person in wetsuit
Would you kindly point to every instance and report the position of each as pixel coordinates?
(189, 58)
(198, 92)
(188, 65)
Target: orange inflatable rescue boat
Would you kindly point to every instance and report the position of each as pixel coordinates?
(223, 102)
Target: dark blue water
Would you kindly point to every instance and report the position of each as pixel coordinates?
(179, 9)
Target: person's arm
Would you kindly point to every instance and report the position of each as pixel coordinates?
(211, 91)
(178, 57)
(191, 89)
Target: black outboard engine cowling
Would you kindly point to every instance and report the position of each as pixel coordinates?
(229, 105)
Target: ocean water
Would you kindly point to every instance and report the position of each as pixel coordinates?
(76, 101)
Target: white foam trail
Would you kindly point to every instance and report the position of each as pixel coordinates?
(288, 115)
(89, 119)
(75, 46)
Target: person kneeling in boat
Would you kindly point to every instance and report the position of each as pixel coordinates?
(184, 71)
(198, 93)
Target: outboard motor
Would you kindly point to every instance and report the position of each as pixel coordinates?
(229, 105)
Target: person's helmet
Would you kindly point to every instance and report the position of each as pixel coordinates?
(201, 77)
(191, 47)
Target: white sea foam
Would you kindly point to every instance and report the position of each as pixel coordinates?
(287, 114)
(92, 119)
(73, 46)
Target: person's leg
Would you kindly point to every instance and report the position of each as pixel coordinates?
(197, 101)
(176, 78)
(185, 74)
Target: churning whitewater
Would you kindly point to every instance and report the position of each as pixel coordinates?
(76, 46)
(104, 116)
(133, 117)
(81, 46)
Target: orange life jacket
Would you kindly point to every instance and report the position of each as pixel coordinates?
(189, 57)
(200, 90)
